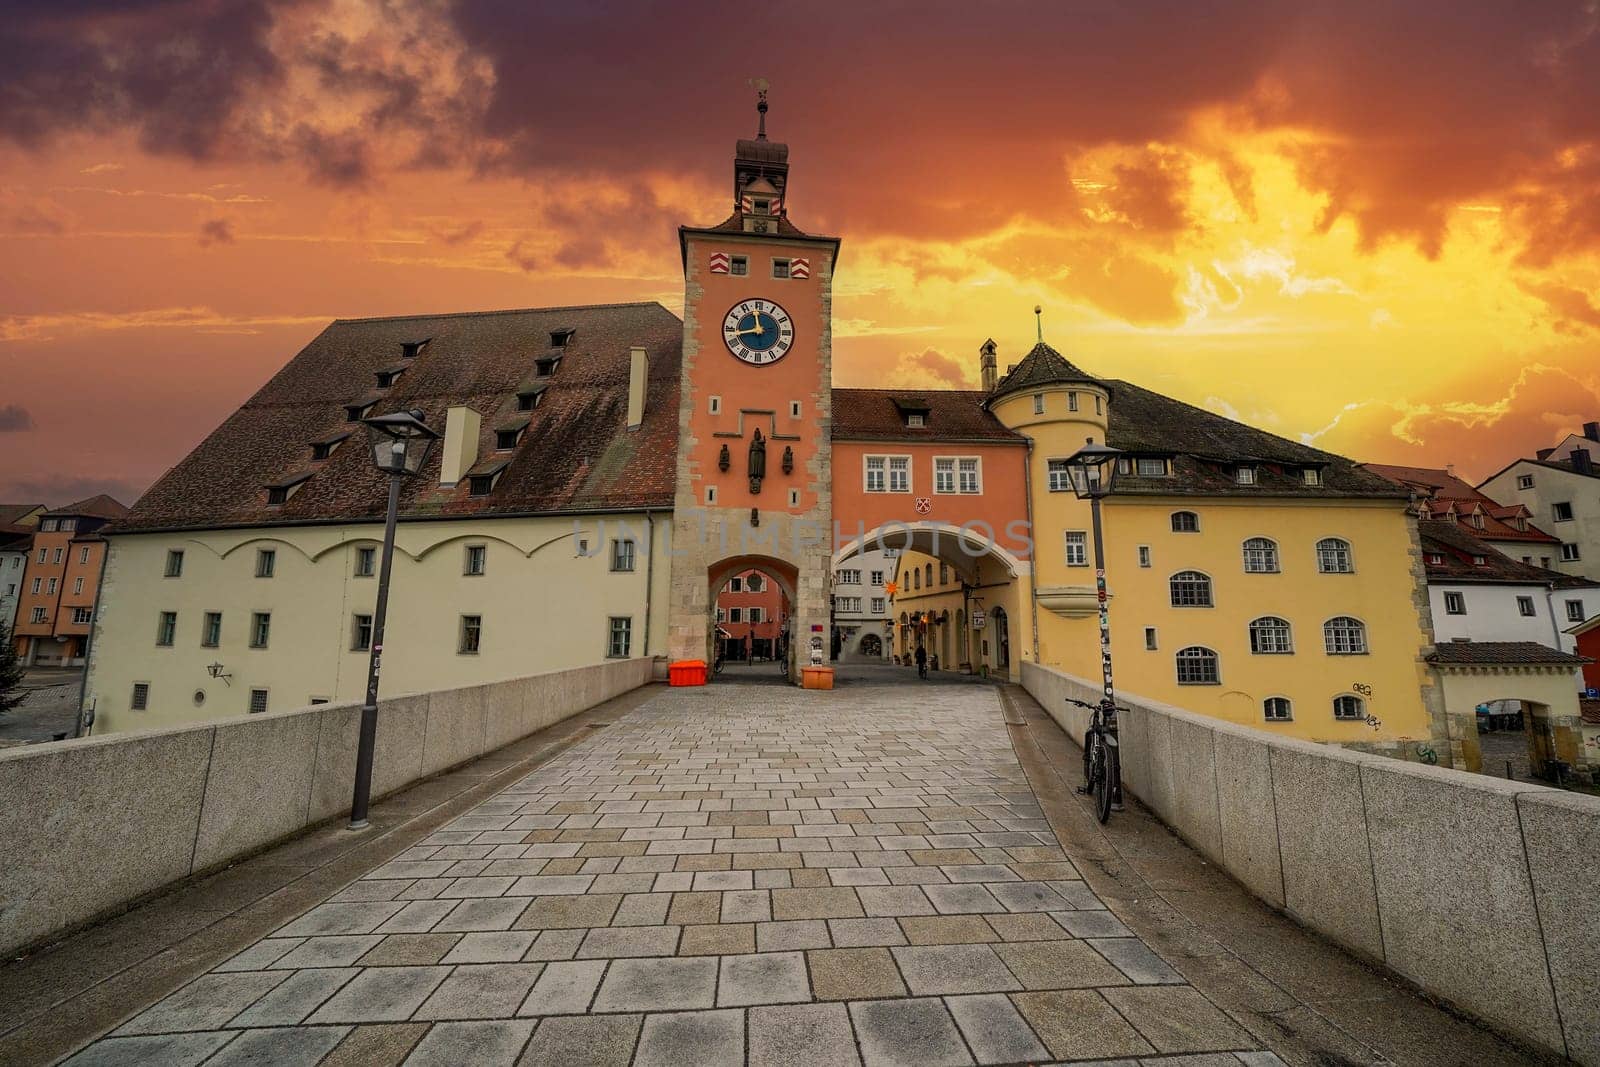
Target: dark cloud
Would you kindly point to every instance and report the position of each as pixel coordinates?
(523, 258)
(15, 418)
(216, 232)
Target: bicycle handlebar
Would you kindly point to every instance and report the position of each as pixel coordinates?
(1091, 707)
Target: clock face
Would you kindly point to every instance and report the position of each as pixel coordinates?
(758, 332)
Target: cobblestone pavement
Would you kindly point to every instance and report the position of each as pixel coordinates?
(723, 876)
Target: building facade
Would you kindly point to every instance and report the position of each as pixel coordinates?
(61, 582)
(1560, 487)
(861, 607)
(18, 522)
(751, 617)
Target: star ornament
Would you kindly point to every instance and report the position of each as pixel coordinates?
(891, 588)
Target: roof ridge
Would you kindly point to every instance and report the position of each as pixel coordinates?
(509, 311)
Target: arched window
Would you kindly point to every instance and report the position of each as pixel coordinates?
(1269, 636)
(1190, 589)
(1344, 636)
(916, 578)
(1349, 707)
(928, 581)
(1197, 666)
(1185, 522)
(755, 583)
(1333, 556)
(1261, 556)
(1277, 709)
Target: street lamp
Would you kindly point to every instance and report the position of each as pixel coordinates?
(1093, 470)
(400, 443)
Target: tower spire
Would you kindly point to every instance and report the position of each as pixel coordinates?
(1038, 317)
(761, 87)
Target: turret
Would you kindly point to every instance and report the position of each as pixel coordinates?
(988, 365)
(1046, 388)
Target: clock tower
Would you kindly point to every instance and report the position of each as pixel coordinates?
(754, 466)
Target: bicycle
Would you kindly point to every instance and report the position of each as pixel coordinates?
(716, 664)
(1102, 761)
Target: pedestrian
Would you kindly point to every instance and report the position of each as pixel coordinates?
(922, 662)
(933, 662)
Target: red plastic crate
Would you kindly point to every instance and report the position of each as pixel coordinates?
(687, 672)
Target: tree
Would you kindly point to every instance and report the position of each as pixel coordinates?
(10, 672)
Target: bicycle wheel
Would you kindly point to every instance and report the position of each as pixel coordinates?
(1105, 789)
(1093, 761)
(1088, 747)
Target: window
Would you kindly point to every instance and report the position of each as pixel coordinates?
(755, 612)
(266, 562)
(471, 635)
(1072, 401)
(1333, 556)
(1150, 638)
(258, 701)
(174, 563)
(260, 629)
(899, 474)
(529, 399)
(735, 614)
(944, 573)
(1077, 548)
(356, 412)
(714, 404)
(1038, 403)
(360, 633)
(1245, 476)
(1098, 410)
(621, 638)
(1561, 511)
(622, 555)
(41, 555)
(1524, 481)
(1479, 561)
(1060, 476)
(849, 577)
(877, 578)
(1197, 666)
(50, 586)
(1436, 558)
(167, 629)
(1185, 522)
(1525, 606)
(722, 616)
(506, 440)
(277, 494)
(1574, 611)
(47, 526)
(930, 576)
(211, 630)
(409, 349)
(878, 605)
(711, 494)
(1190, 589)
(875, 476)
(323, 449)
(38, 615)
(1151, 468)
(561, 338)
(1569, 553)
(1349, 707)
(780, 268)
(794, 409)
(735, 585)
(739, 265)
(81, 616)
(1455, 604)
(967, 469)
(1311, 476)
(916, 421)
(1344, 636)
(1269, 636)
(477, 555)
(944, 475)
(1277, 709)
(55, 557)
(141, 696)
(37, 583)
(366, 562)
(916, 579)
(77, 587)
(1260, 556)
(546, 366)
(1144, 555)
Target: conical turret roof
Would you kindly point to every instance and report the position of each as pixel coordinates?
(1042, 365)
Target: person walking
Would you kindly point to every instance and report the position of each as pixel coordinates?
(922, 662)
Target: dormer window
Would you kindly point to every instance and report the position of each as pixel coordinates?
(1478, 561)
(321, 450)
(545, 366)
(1311, 476)
(388, 376)
(1520, 523)
(1477, 519)
(481, 482)
(1435, 559)
(409, 349)
(915, 421)
(279, 493)
(358, 411)
(1151, 467)
(1245, 476)
(507, 435)
(562, 337)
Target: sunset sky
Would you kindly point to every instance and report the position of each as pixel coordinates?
(1370, 225)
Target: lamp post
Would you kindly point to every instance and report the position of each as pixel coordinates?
(400, 443)
(1093, 469)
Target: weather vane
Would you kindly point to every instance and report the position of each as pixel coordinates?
(761, 85)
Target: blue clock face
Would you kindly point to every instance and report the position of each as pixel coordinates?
(758, 332)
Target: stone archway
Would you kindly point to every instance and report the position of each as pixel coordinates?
(742, 640)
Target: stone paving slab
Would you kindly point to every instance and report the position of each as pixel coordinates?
(858, 878)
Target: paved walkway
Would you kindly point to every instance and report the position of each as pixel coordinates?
(837, 878)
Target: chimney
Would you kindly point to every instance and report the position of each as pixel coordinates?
(1581, 461)
(1450, 470)
(460, 445)
(1591, 430)
(987, 356)
(638, 383)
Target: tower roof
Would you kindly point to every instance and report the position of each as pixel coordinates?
(1042, 365)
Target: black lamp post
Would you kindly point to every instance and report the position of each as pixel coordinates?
(1093, 469)
(400, 443)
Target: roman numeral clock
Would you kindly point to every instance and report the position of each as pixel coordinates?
(758, 332)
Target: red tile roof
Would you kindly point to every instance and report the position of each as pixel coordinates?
(1458, 549)
(576, 455)
(1508, 653)
(952, 415)
(1441, 489)
(94, 507)
(1589, 710)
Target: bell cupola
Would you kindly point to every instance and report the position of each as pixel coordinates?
(760, 174)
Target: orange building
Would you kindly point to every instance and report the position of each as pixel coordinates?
(62, 580)
(751, 613)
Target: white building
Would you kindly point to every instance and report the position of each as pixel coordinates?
(17, 523)
(1560, 486)
(861, 605)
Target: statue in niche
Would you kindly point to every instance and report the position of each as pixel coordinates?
(758, 461)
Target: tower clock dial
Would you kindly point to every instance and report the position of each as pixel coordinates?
(758, 332)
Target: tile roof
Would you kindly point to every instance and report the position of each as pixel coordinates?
(1550, 464)
(1042, 366)
(1458, 548)
(1442, 489)
(1508, 653)
(13, 513)
(1206, 449)
(576, 455)
(94, 507)
(952, 415)
(14, 538)
(1589, 710)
